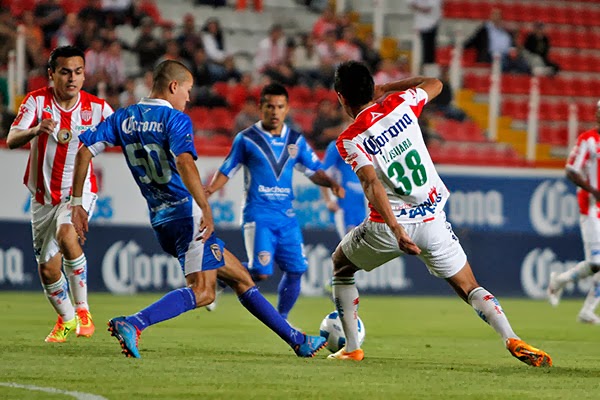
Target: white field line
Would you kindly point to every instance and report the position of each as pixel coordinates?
(76, 395)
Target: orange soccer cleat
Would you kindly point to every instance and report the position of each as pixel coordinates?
(85, 325)
(528, 354)
(342, 354)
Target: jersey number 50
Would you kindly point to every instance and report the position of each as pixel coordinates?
(156, 169)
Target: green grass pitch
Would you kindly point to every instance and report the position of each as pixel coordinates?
(415, 348)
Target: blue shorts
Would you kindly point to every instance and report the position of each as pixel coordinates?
(178, 238)
(280, 242)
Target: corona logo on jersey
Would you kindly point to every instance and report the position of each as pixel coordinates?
(130, 124)
(553, 209)
(536, 269)
(64, 136)
(374, 144)
(126, 269)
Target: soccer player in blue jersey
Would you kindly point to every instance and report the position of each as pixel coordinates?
(270, 151)
(157, 140)
(350, 211)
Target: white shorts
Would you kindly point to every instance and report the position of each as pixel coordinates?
(45, 220)
(372, 244)
(590, 233)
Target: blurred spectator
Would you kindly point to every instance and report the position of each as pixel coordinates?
(491, 37)
(147, 47)
(143, 85)
(127, 97)
(68, 32)
(189, 33)
(205, 74)
(214, 3)
(173, 52)
(94, 71)
(307, 63)
(369, 53)
(34, 35)
(324, 24)
(241, 5)
(8, 34)
(116, 11)
(88, 32)
(6, 117)
(229, 72)
(213, 41)
(93, 11)
(248, 115)
(389, 71)
(144, 8)
(271, 50)
(428, 14)
(114, 66)
(327, 124)
(50, 16)
(538, 43)
(346, 47)
(284, 72)
(444, 102)
(515, 62)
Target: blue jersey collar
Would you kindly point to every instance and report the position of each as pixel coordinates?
(284, 130)
(149, 101)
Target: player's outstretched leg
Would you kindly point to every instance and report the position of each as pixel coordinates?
(310, 346)
(558, 281)
(528, 354)
(554, 290)
(127, 335)
(587, 313)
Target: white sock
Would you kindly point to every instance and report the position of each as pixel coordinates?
(583, 269)
(593, 297)
(58, 294)
(345, 295)
(76, 270)
(489, 310)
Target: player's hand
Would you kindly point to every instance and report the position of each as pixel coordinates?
(338, 191)
(332, 205)
(47, 126)
(79, 219)
(207, 227)
(379, 91)
(405, 243)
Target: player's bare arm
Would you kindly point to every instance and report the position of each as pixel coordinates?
(330, 202)
(218, 181)
(375, 193)
(322, 179)
(580, 181)
(79, 217)
(20, 137)
(186, 166)
(432, 86)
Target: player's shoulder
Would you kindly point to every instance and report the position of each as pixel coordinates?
(590, 134)
(41, 92)
(92, 98)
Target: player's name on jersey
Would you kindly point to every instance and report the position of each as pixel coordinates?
(397, 150)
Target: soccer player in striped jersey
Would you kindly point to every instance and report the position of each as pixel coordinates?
(156, 138)
(51, 120)
(270, 151)
(384, 146)
(582, 169)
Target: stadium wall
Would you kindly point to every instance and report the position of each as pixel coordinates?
(516, 225)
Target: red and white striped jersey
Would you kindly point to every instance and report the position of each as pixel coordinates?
(583, 160)
(49, 173)
(387, 136)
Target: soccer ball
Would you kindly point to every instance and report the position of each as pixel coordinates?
(331, 329)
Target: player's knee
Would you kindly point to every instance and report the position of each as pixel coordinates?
(66, 237)
(204, 296)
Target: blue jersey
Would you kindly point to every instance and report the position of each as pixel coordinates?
(354, 200)
(269, 163)
(151, 134)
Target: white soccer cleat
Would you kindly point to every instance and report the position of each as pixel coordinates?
(586, 317)
(554, 290)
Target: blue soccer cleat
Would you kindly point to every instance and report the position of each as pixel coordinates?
(311, 346)
(127, 334)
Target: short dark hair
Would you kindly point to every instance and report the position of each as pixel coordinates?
(354, 82)
(168, 71)
(66, 52)
(273, 89)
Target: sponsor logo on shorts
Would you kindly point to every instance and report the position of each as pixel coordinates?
(264, 258)
(216, 250)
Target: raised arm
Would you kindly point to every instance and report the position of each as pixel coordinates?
(432, 86)
(186, 166)
(20, 137)
(375, 193)
(322, 179)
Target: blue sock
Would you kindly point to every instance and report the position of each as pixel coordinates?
(172, 304)
(289, 290)
(264, 311)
